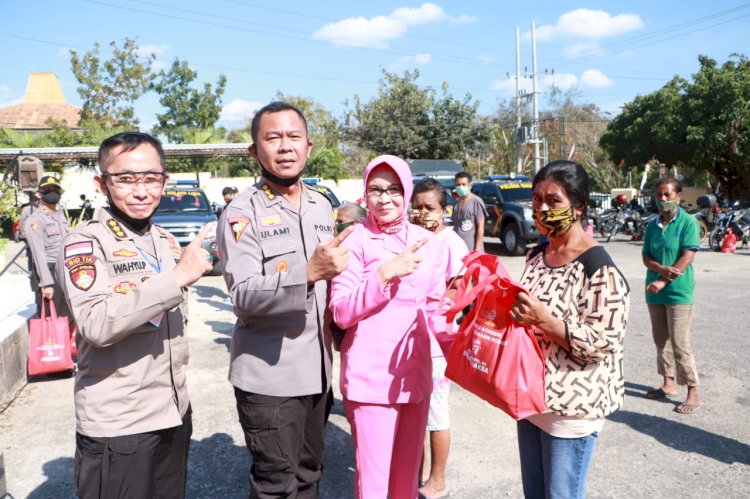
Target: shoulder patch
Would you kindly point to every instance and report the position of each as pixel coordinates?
(82, 248)
(115, 228)
(83, 276)
(238, 225)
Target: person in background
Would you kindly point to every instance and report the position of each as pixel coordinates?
(278, 251)
(348, 214)
(385, 300)
(669, 248)
(229, 193)
(469, 214)
(429, 203)
(44, 230)
(577, 305)
(126, 282)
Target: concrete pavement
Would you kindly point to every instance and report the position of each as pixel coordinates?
(645, 449)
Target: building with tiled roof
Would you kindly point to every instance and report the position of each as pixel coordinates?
(43, 99)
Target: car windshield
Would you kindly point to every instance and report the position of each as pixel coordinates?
(183, 200)
(513, 193)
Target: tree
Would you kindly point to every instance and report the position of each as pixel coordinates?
(703, 124)
(573, 127)
(396, 121)
(110, 87)
(186, 107)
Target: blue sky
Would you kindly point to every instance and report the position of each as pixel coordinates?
(331, 50)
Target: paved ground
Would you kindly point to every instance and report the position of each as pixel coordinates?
(645, 449)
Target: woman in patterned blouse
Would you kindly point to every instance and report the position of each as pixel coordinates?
(578, 307)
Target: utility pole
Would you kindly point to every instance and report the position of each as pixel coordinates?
(535, 97)
(519, 142)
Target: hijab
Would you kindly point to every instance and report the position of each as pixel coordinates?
(403, 172)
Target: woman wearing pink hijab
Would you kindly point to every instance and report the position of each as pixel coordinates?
(385, 300)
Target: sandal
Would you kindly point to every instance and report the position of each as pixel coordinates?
(688, 408)
(659, 394)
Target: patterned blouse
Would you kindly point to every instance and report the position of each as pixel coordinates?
(592, 297)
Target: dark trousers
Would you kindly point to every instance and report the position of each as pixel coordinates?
(285, 436)
(140, 466)
(58, 298)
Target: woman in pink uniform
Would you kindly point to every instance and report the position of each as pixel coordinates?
(385, 301)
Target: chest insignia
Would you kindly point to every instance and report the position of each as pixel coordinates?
(282, 266)
(34, 225)
(238, 225)
(124, 253)
(115, 228)
(270, 220)
(124, 287)
(82, 248)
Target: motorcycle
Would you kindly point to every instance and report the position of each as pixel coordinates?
(736, 218)
(630, 219)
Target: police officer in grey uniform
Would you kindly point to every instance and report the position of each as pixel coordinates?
(44, 230)
(278, 250)
(125, 280)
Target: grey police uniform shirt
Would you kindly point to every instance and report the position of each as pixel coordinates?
(281, 343)
(44, 230)
(131, 316)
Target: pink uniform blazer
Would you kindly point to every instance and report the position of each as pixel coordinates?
(385, 354)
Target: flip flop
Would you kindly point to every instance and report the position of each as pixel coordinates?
(658, 394)
(688, 408)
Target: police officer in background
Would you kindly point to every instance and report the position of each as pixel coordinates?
(125, 280)
(278, 250)
(44, 230)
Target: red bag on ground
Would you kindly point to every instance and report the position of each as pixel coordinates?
(491, 356)
(49, 343)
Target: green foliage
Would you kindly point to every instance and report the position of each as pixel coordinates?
(703, 124)
(109, 87)
(8, 206)
(186, 108)
(413, 122)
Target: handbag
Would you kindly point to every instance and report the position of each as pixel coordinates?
(492, 357)
(49, 343)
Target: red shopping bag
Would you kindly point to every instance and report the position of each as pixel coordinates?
(491, 356)
(49, 343)
(73, 347)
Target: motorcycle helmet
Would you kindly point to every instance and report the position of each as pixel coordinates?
(619, 201)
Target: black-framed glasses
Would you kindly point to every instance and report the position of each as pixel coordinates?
(393, 191)
(130, 180)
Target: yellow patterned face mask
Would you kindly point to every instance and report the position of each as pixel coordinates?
(555, 222)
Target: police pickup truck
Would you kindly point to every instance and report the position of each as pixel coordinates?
(183, 210)
(508, 202)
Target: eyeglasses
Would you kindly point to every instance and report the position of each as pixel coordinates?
(393, 191)
(129, 180)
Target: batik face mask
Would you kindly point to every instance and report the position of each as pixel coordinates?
(555, 222)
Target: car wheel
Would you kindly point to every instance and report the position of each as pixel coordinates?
(512, 242)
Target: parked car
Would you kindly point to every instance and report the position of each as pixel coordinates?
(183, 211)
(508, 202)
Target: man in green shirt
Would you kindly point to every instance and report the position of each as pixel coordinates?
(669, 248)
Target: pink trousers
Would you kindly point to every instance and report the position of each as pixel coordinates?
(388, 443)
